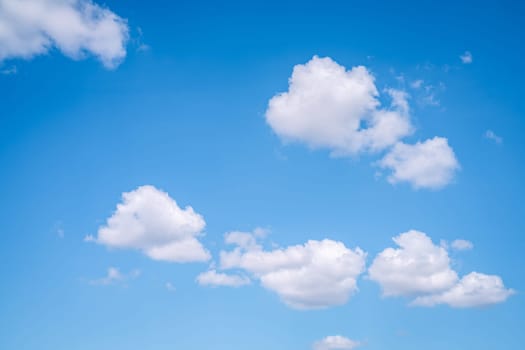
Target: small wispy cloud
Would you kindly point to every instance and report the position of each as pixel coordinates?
(139, 41)
(58, 229)
(9, 71)
(114, 276)
(416, 84)
(466, 58)
(213, 278)
(461, 244)
(170, 287)
(425, 93)
(430, 100)
(400, 78)
(489, 134)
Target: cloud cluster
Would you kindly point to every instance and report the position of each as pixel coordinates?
(74, 27)
(313, 275)
(327, 106)
(149, 220)
(421, 270)
(336, 342)
(316, 274)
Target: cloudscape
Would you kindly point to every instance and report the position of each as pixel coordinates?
(261, 175)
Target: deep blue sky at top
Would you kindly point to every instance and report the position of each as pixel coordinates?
(187, 116)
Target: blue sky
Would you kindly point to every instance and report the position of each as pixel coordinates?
(305, 137)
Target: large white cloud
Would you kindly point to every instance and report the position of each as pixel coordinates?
(336, 342)
(75, 27)
(428, 164)
(151, 221)
(474, 289)
(316, 274)
(327, 106)
(417, 266)
(421, 269)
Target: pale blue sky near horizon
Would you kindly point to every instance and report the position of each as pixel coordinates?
(185, 112)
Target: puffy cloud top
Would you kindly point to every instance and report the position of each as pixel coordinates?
(327, 106)
(75, 27)
(474, 289)
(336, 342)
(317, 274)
(428, 164)
(422, 270)
(418, 266)
(151, 221)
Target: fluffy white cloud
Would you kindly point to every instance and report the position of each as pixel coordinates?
(421, 269)
(336, 342)
(417, 267)
(466, 58)
(473, 290)
(151, 221)
(429, 164)
(317, 274)
(214, 278)
(75, 27)
(327, 106)
(461, 244)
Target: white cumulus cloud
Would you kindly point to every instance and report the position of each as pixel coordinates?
(328, 106)
(74, 27)
(215, 279)
(149, 220)
(317, 274)
(421, 269)
(417, 266)
(428, 164)
(336, 342)
(474, 289)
